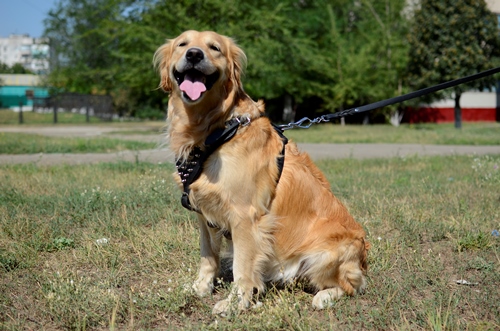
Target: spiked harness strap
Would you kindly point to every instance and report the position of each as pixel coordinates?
(190, 169)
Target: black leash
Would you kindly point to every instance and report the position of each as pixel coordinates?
(190, 169)
(305, 122)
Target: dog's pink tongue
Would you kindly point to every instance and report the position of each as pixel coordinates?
(192, 89)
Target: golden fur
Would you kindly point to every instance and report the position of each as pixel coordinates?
(281, 230)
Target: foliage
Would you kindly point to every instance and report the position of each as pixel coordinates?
(369, 51)
(4, 68)
(16, 68)
(106, 46)
(150, 113)
(80, 37)
(451, 39)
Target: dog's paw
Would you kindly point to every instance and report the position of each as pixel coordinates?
(362, 287)
(325, 298)
(228, 306)
(203, 287)
(222, 307)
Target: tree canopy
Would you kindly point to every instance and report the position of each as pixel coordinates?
(16, 68)
(342, 53)
(452, 39)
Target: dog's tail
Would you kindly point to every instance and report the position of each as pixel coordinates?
(352, 271)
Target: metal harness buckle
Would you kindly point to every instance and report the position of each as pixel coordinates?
(243, 120)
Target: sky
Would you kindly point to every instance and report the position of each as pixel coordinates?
(24, 16)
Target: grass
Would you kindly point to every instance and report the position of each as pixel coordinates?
(20, 143)
(149, 131)
(487, 133)
(471, 134)
(109, 246)
(438, 134)
(10, 117)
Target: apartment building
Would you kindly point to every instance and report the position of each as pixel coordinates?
(32, 53)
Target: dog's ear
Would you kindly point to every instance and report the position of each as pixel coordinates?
(237, 64)
(161, 61)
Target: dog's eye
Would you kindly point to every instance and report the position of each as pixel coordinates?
(182, 44)
(214, 48)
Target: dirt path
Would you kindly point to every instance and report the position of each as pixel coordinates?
(317, 151)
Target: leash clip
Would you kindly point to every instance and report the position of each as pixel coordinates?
(304, 123)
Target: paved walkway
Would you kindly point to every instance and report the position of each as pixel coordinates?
(317, 151)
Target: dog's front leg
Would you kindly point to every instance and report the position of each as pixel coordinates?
(210, 243)
(248, 258)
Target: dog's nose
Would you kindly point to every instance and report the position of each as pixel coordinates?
(194, 55)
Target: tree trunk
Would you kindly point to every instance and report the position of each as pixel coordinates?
(287, 109)
(458, 110)
(396, 118)
(342, 119)
(366, 120)
(498, 101)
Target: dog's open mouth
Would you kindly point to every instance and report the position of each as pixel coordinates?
(194, 83)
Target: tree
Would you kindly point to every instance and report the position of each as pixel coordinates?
(16, 68)
(4, 68)
(100, 48)
(452, 39)
(106, 46)
(369, 53)
(279, 38)
(81, 43)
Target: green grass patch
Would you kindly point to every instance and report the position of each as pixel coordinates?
(10, 117)
(429, 220)
(21, 143)
(487, 133)
(150, 131)
(437, 134)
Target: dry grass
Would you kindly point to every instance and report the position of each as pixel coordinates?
(430, 222)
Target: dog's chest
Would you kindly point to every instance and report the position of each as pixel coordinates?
(189, 170)
(220, 186)
(237, 179)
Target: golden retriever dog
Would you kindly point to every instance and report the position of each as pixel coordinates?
(273, 204)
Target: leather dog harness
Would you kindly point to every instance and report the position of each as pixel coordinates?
(191, 169)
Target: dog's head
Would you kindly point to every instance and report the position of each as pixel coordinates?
(200, 67)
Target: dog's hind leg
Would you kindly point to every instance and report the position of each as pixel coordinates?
(354, 282)
(210, 243)
(339, 273)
